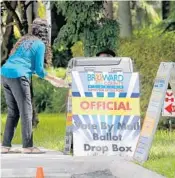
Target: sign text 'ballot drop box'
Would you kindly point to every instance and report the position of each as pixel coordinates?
(103, 112)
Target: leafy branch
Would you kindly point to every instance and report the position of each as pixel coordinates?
(86, 22)
(14, 15)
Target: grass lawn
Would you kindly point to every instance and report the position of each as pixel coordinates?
(49, 133)
(162, 154)
(51, 130)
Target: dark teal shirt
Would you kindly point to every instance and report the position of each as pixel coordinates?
(26, 60)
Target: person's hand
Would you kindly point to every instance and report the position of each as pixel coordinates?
(59, 83)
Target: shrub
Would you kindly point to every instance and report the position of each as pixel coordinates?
(3, 103)
(77, 49)
(58, 101)
(61, 57)
(48, 98)
(148, 49)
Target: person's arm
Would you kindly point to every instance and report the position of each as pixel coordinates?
(39, 61)
(39, 68)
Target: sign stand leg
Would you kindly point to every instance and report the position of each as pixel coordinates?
(69, 134)
(170, 125)
(165, 74)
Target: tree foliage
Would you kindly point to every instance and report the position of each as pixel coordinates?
(14, 25)
(85, 22)
(148, 48)
(41, 9)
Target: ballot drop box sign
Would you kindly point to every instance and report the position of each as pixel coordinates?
(105, 113)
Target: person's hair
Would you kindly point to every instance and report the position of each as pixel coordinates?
(39, 31)
(107, 52)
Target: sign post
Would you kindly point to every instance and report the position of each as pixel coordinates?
(165, 75)
(68, 136)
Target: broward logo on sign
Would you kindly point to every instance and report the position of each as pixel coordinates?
(105, 81)
(108, 122)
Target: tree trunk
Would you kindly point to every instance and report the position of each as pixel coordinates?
(58, 20)
(24, 17)
(108, 9)
(1, 29)
(165, 9)
(35, 9)
(125, 21)
(48, 17)
(5, 49)
(13, 14)
(140, 15)
(29, 15)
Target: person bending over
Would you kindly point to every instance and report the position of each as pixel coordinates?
(106, 53)
(27, 57)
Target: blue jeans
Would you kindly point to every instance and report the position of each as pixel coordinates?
(18, 99)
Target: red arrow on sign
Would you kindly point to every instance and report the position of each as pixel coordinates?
(170, 108)
(169, 94)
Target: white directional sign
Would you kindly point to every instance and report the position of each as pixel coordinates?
(169, 104)
(165, 75)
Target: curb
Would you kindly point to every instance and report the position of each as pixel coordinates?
(127, 169)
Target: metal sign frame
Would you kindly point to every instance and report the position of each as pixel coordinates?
(110, 64)
(165, 75)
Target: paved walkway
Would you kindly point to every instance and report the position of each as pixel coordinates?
(57, 165)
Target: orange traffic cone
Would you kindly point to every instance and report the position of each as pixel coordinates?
(39, 172)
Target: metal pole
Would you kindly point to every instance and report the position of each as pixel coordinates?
(170, 125)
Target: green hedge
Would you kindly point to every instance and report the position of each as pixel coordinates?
(148, 49)
(3, 103)
(48, 98)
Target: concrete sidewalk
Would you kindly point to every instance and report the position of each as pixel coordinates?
(57, 165)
